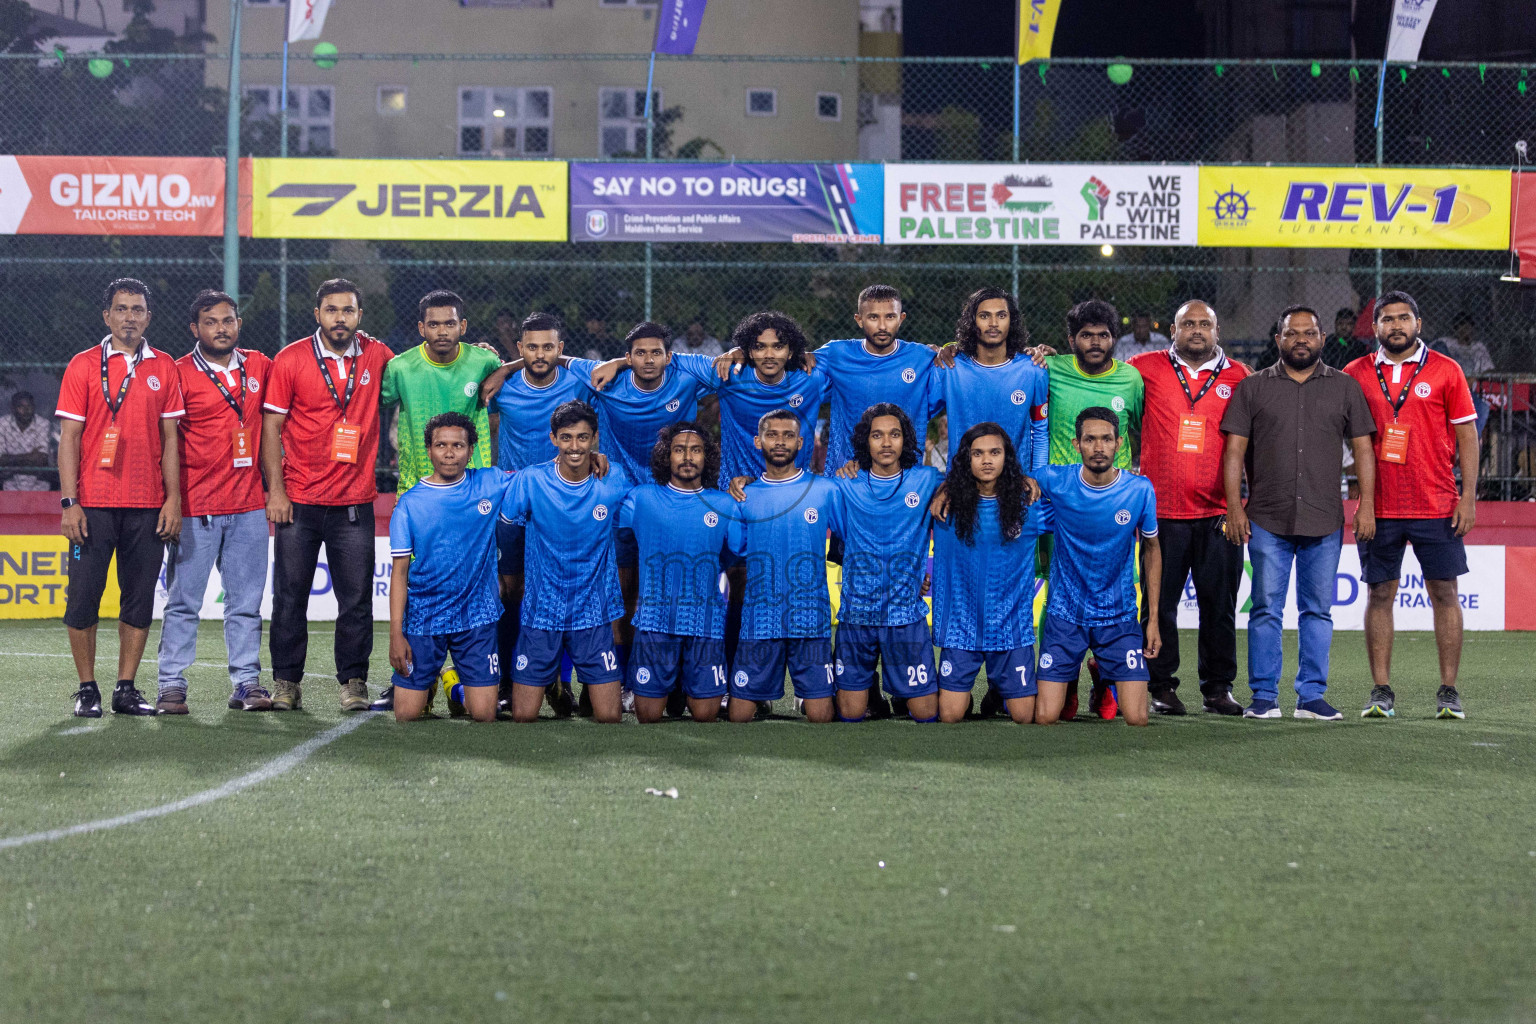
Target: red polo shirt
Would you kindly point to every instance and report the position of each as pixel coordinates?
(1423, 486)
(134, 480)
(1183, 461)
(211, 483)
(297, 390)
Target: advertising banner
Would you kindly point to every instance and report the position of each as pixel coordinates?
(1522, 227)
(1039, 204)
(450, 200)
(726, 202)
(114, 195)
(34, 571)
(1354, 207)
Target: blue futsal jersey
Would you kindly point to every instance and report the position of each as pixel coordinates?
(1093, 565)
(628, 419)
(1015, 396)
(685, 538)
(744, 400)
(570, 575)
(785, 524)
(885, 546)
(450, 532)
(857, 380)
(522, 435)
(984, 591)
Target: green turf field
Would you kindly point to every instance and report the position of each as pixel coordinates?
(1200, 869)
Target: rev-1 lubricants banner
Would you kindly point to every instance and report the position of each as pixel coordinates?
(1039, 204)
(1354, 207)
(461, 200)
(726, 202)
(114, 195)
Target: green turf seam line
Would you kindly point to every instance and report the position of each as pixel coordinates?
(271, 770)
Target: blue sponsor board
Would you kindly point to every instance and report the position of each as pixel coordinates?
(818, 203)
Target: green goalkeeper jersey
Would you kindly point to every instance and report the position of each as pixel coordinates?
(424, 389)
(1119, 388)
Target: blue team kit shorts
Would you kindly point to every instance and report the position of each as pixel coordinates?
(1010, 673)
(474, 658)
(1442, 555)
(905, 654)
(1117, 647)
(591, 651)
(760, 666)
(659, 662)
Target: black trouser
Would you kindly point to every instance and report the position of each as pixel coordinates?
(347, 532)
(130, 534)
(1196, 547)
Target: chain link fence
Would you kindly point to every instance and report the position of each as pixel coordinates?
(889, 109)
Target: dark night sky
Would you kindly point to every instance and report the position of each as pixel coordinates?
(1086, 28)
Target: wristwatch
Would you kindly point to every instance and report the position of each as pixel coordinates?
(67, 503)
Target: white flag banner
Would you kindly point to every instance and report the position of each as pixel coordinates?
(306, 18)
(1409, 20)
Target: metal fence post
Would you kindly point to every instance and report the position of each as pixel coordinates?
(1381, 128)
(1017, 68)
(282, 243)
(232, 159)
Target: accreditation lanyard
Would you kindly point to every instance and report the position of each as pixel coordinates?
(1402, 397)
(237, 404)
(345, 399)
(1194, 399)
(1394, 438)
(122, 391)
(1191, 438)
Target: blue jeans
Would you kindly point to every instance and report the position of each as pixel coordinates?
(1317, 566)
(237, 544)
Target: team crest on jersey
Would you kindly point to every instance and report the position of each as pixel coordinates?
(912, 499)
(674, 405)
(485, 506)
(600, 513)
(839, 663)
(908, 375)
(1123, 516)
(470, 387)
(740, 678)
(945, 668)
(810, 515)
(642, 676)
(711, 520)
(1223, 391)
(153, 382)
(1019, 397)
(1117, 403)
(252, 385)
(795, 401)
(1421, 389)
(1046, 661)
(365, 379)
(522, 662)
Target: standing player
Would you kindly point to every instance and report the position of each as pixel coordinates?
(984, 574)
(774, 378)
(1424, 417)
(571, 597)
(224, 519)
(786, 616)
(882, 619)
(986, 376)
(685, 532)
(443, 597)
(1089, 375)
(1100, 512)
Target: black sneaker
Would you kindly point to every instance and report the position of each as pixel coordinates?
(127, 700)
(879, 707)
(1166, 702)
(385, 701)
(991, 703)
(1379, 705)
(1448, 703)
(584, 702)
(561, 700)
(88, 701)
(677, 703)
(1219, 702)
(899, 708)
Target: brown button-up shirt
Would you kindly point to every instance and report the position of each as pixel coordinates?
(1296, 435)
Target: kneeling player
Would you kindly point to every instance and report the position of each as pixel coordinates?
(1100, 510)
(685, 531)
(882, 618)
(786, 613)
(443, 594)
(984, 577)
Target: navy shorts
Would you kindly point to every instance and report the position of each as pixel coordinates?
(1117, 646)
(658, 662)
(509, 553)
(474, 658)
(1010, 673)
(1441, 553)
(905, 654)
(760, 667)
(591, 651)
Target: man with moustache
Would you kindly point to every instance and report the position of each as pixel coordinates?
(1188, 387)
(1424, 420)
(1287, 425)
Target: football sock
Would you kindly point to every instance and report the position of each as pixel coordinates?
(567, 667)
(925, 721)
(841, 718)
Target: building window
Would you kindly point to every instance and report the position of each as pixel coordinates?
(829, 106)
(762, 103)
(311, 113)
(505, 122)
(621, 120)
(392, 99)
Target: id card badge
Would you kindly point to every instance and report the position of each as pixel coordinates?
(344, 442)
(242, 448)
(1192, 434)
(108, 447)
(1394, 444)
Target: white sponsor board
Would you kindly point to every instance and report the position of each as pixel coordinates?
(322, 599)
(1041, 204)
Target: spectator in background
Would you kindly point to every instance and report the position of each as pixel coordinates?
(1342, 347)
(1142, 338)
(1473, 358)
(597, 341)
(697, 339)
(24, 440)
(508, 329)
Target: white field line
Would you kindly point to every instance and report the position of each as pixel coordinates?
(142, 661)
(271, 770)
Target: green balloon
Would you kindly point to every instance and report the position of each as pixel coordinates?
(1119, 73)
(325, 55)
(101, 67)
